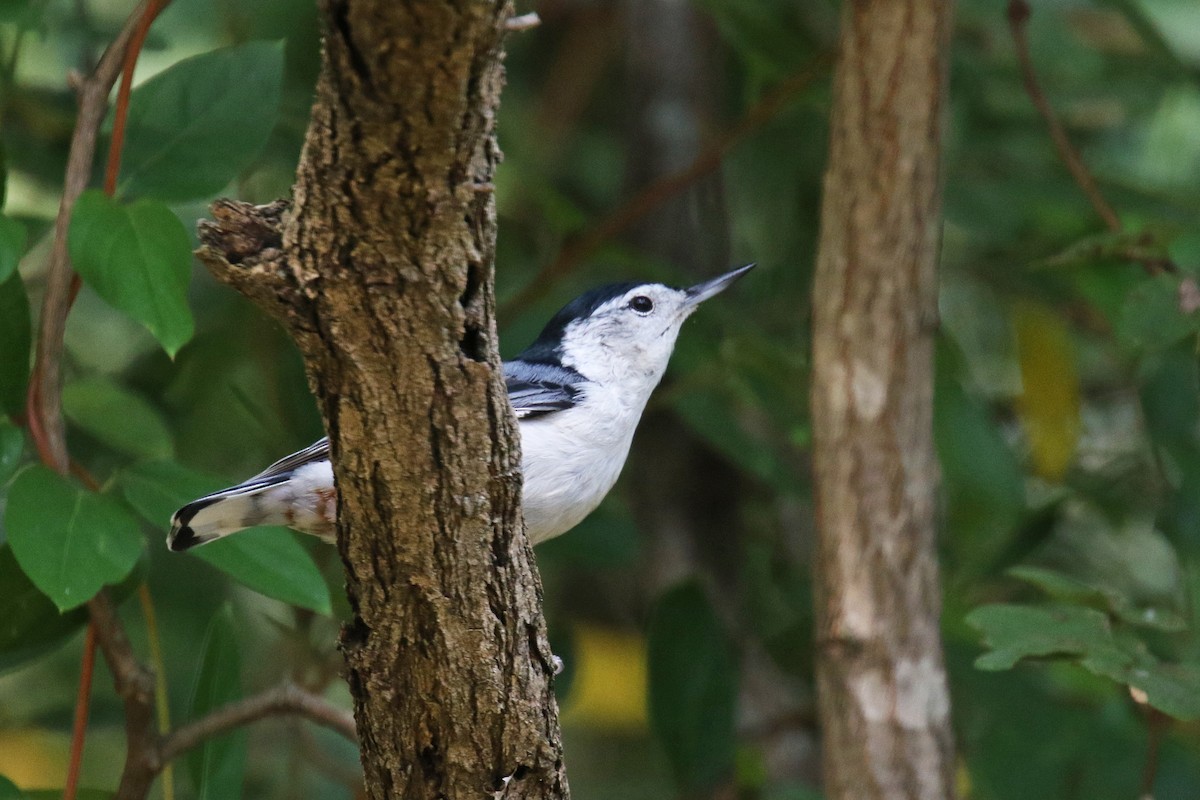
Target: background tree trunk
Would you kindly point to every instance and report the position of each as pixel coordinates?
(884, 704)
(384, 277)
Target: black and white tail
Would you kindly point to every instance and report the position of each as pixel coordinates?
(296, 491)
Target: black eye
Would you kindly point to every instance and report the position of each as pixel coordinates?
(642, 304)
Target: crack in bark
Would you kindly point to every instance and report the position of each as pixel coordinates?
(385, 279)
(339, 15)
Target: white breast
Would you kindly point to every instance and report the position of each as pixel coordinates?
(572, 458)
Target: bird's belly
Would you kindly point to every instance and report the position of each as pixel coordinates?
(566, 476)
(307, 502)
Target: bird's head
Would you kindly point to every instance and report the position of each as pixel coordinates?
(623, 333)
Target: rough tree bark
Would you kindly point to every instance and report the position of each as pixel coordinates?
(382, 271)
(883, 697)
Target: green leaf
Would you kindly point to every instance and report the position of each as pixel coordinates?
(117, 417)
(1169, 390)
(1016, 632)
(985, 490)
(271, 561)
(9, 790)
(1152, 317)
(30, 624)
(156, 489)
(1170, 398)
(12, 447)
(195, 126)
(1107, 247)
(1058, 585)
(16, 340)
(268, 560)
(1171, 688)
(12, 246)
(70, 542)
(217, 766)
(692, 688)
(1106, 286)
(1066, 588)
(24, 14)
(1185, 251)
(777, 602)
(137, 257)
(80, 794)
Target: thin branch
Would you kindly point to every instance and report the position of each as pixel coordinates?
(129, 674)
(287, 698)
(161, 699)
(44, 405)
(147, 752)
(1018, 15)
(663, 189)
(44, 401)
(117, 144)
(134, 684)
(1157, 724)
(82, 706)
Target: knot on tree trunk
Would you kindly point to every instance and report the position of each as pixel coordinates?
(242, 246)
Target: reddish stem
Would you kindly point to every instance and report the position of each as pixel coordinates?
(1157, 725)
(113, 167)
(36, 428)
(82, 706)
(83, 476)
(1018, 16)
(34, 419)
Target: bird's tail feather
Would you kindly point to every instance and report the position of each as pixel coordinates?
(219, 514)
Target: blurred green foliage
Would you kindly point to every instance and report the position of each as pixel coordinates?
(217, 767)
(692, 687)
(1067, 415)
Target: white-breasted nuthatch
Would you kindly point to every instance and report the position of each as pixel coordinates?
(578, 392)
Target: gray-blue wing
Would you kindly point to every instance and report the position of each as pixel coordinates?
(537, 389)
(533, 389)
(317, 451)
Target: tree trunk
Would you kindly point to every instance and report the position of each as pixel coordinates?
(383, 273)
(884, 704)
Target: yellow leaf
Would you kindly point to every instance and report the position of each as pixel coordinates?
(33, 758)
(962, 778)
(1049, 403)
(609, 689)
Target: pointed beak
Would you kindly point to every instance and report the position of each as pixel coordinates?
(702, 291)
